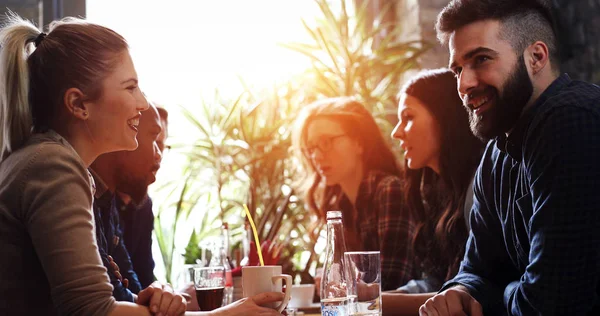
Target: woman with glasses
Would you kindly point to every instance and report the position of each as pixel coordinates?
(348, 165)
(441, 155)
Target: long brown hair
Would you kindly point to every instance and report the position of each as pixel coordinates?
(437, 201)
(359, 125)
(37, 69)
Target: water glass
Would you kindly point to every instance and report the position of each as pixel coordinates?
(363, 282)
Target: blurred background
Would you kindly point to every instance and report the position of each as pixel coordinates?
(233, 73)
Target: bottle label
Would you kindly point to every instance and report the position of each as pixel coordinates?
(334, 307)
(228, 278)
(332, 311)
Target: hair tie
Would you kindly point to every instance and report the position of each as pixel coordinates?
(39, 39)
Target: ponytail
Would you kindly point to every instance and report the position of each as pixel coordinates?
(16, 120)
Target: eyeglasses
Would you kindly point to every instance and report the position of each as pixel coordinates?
(324, 144)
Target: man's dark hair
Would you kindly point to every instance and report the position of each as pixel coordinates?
(523, 21)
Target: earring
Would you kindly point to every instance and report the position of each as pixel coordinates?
(84, 113)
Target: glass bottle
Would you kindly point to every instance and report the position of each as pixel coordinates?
(226, 244)
(334, 300)
(219, 259)
(246, 238)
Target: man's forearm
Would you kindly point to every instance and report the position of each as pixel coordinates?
(482, 290)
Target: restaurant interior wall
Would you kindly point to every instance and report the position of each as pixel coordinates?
(579, 29)
(42, 12)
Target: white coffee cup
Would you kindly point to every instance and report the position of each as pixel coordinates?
(256, 280)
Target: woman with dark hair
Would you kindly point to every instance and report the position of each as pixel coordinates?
(441, 156)
(66, 97)
(348, 165)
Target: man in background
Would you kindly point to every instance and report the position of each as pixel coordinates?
(135, 171)
(112, 171)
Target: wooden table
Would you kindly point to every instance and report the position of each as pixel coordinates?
(313, 310)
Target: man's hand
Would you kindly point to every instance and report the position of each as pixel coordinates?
(455, 301)
(189, 293)
(367, 292)
(161, 300)
(117, 272)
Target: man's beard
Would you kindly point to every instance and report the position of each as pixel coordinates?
(135, 188)
(504, 114)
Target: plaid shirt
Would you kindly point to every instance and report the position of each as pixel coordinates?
(534, 247)
(137, 223)
(110, 241)
(385, 225)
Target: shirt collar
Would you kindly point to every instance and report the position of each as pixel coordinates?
(367, 187)
(132, 204)
(513, 144)
(101, 186)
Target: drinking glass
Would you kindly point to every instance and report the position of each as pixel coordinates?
(363, 282)
(210, 285)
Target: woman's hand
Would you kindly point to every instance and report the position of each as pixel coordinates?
(161, 300)
(251, 305)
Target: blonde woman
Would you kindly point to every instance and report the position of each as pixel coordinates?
(65, 98)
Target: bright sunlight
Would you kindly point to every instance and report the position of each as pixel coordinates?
(185, 50)
(189, 47)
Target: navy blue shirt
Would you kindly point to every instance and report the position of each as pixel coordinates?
(110, 243)
(137, 223)
(534, 245)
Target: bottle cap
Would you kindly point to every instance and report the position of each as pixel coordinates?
(334, 215)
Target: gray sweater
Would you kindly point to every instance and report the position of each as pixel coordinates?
(49, 262)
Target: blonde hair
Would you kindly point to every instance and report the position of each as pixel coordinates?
(16, 121)
(33, 80)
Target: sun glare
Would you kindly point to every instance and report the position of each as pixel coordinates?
(184, 48)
